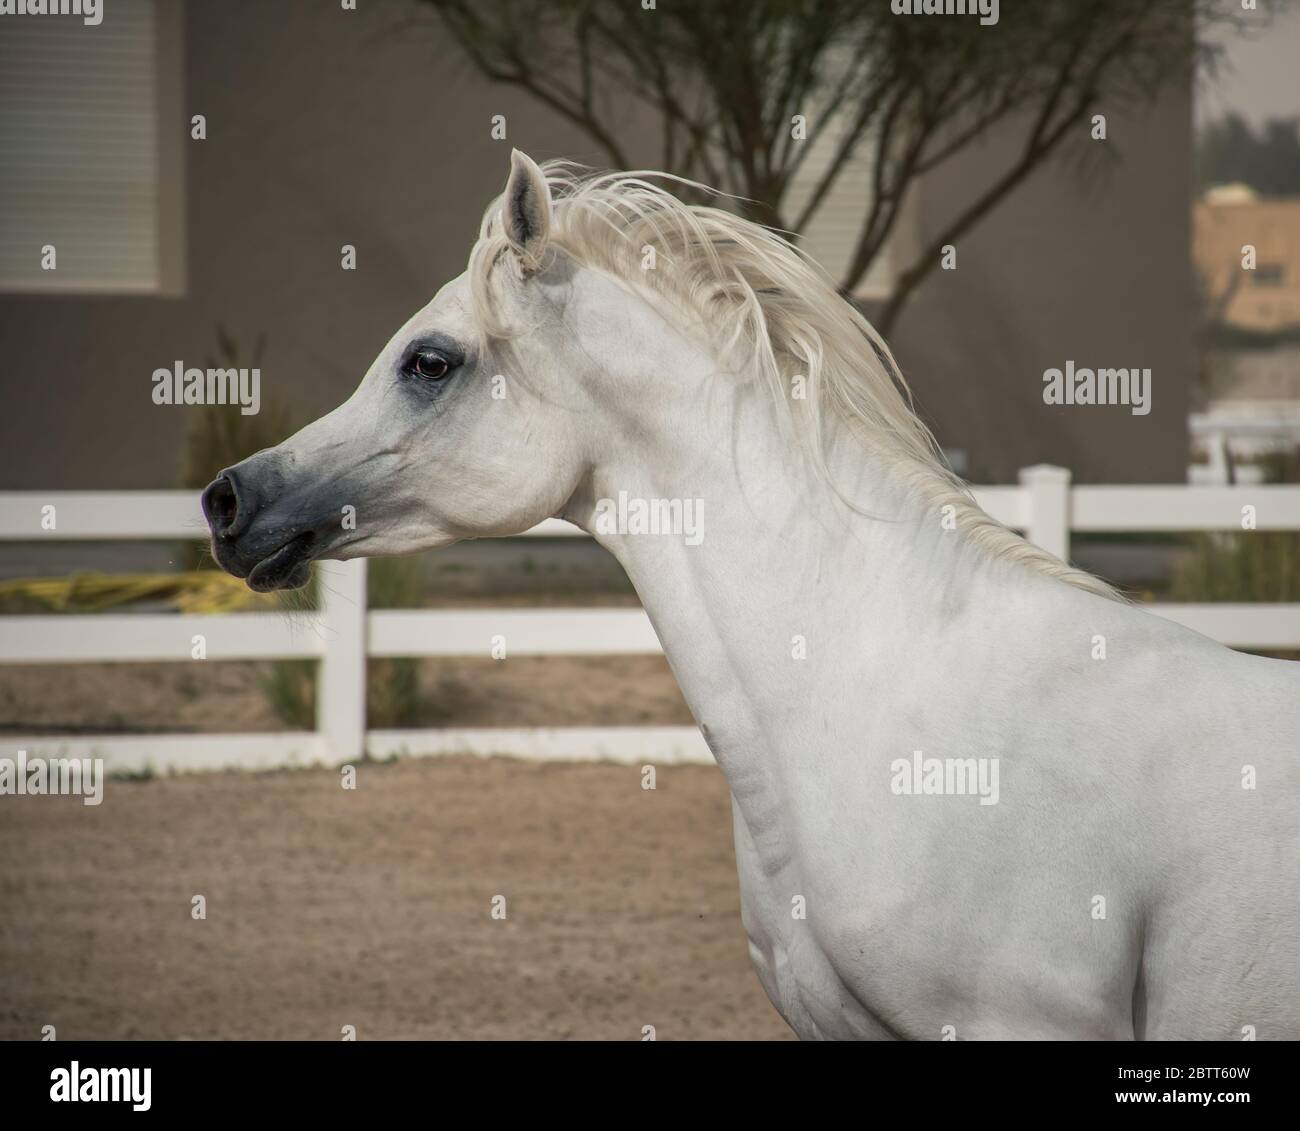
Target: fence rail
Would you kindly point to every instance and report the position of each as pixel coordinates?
(343, 633)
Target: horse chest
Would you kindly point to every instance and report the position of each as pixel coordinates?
(799, 973)
(793, 962)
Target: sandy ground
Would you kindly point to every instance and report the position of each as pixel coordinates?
(328, 907)
(228, 697)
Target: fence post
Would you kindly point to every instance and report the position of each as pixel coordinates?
(341, 686)
(1048, 524)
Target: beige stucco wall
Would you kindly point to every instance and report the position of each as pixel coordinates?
(328, 127)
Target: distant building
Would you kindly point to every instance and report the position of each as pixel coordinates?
(1265, 300)
(1253, 407)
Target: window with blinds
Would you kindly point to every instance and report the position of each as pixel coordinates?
(83, 167)
(832, 234)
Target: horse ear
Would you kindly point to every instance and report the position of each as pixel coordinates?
(526, 210)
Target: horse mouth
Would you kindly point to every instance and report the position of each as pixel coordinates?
(288, 568)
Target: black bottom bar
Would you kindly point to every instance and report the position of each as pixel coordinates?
(368, 1078)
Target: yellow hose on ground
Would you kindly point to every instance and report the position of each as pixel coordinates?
(191, 591)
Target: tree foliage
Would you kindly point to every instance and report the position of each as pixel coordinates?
(725, 79)
(1229, 151)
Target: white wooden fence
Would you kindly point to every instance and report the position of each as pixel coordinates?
(342, 633)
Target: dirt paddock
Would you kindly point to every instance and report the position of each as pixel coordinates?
(329, 907)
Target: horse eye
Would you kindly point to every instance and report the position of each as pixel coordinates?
(431, 366)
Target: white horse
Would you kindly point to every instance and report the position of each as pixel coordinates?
(975, 794)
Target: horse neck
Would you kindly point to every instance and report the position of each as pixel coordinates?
(789, 601)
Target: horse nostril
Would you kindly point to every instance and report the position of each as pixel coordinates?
(221, 505)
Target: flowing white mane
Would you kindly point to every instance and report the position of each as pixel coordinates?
(770, 307)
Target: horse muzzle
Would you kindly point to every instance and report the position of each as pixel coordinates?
(255, 535)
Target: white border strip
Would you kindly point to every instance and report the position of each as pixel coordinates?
(180, 753)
